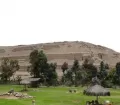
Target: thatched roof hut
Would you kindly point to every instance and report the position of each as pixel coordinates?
(29, 80)
(97, 90)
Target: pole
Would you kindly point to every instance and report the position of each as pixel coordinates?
(97, 97)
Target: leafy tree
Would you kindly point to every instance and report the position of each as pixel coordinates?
(107, 66)
(77, 75)
(103, 73)
(110, 79)
(40, 68)
(78, 78)
(90, 69)
(118, 69)
(38, 61)
(51, 74)
(102, 66)
(33, 59)
(68, 77)
(75, 67)
(85, 80)
(8, 68)
(64, 67)
(118, 73)
(111, 75)
(19, 79)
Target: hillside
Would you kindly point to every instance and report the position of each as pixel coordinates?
(60, 52)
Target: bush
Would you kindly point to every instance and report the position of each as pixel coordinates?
(34, 84)
(107, 84)
(68, 83)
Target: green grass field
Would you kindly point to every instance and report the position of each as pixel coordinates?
(56, 96)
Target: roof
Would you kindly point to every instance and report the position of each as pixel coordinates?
(29, 80)
(97, 90)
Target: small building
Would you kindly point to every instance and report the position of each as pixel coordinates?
(32, 82)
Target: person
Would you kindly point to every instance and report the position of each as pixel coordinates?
(88, 103)
(33, 102)
(96, 102)
(92, 102)
(107, 102)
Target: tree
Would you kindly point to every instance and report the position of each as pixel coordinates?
(78, 78)
(64, 67)
(75, 67)
(111, 78)
(102, 66)
(118, 73)
(85, 80)
(40, 68)
(33, 60)
(51, 74)
(68, 77)
(19, 79)
(90, 69)
(107, 66)
(74, 75)
(103, 72)
(118, 69)
(38, 61)
(8, 68)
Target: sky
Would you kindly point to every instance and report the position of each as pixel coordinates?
(41, 21)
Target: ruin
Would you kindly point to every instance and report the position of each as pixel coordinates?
(60, 52)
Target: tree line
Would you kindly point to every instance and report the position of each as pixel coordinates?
(78, 74)
(83, 74)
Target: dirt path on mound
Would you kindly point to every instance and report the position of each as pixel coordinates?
(8, 97)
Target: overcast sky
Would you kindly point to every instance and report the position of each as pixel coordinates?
(40, 21)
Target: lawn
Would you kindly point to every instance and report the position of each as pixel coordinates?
(56, 96)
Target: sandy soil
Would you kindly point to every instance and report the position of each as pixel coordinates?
(60, 52)
(8, 97)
